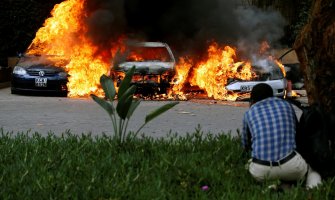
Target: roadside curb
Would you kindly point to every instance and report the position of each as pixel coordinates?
(4, 85)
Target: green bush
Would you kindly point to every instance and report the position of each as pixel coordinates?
(196, 166)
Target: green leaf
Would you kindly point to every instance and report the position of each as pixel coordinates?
(133, 107)
(108, 86)
(123, 108)
(107, 105)
(125, 83)
(125, 101)
(159, 111)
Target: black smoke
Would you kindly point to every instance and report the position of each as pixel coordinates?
(186, 25)
(106, 21)
(257, 26)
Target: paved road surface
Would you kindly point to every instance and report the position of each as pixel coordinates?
(82, 115)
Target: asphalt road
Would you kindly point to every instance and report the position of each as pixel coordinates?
(82, 115)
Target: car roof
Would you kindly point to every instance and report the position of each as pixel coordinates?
(148, 44)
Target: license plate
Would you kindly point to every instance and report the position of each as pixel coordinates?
(41, 82)
(246, 88)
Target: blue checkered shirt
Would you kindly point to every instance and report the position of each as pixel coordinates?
(271, 123)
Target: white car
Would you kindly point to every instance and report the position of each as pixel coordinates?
(268, 72)
(154, 62)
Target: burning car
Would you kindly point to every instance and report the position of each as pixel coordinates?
(39, 74)
(155, 66)
(266, 72)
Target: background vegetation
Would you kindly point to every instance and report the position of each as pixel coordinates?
(19, 21)
(82, 167)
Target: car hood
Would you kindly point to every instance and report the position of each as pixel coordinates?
(149, 67)
(49, 63)
(39, 67)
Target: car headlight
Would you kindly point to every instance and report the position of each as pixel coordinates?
(63, 74)
(19, 70)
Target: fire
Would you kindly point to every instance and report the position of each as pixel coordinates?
(281, 66)
(63, 34)
(290, 93)
(264, 48)
(141, 54)
(135, 57)
(212, 73)
(59, 31)
(181, 77)
(85, 71)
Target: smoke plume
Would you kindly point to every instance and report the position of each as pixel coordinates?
(187, 25)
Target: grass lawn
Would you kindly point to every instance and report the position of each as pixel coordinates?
(197, 166)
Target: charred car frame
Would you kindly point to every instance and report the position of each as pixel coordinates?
(155, 66)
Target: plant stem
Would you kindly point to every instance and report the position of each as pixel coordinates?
(120, 130)
(139, 129)
(125, 130)
(113, 118)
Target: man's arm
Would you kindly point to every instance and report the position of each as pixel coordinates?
(246, 135)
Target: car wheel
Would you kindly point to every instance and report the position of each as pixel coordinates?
(63, 94)
(13, 91)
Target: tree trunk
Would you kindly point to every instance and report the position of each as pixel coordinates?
(315, 48)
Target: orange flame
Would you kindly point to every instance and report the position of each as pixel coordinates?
(281, 66)
(182, 71)
(63, 34)
(141, 54)
(264, 47)
(60, 31)
(213, 73)
(135, 57)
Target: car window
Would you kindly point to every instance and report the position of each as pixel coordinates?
(271, 72)
(140, 54)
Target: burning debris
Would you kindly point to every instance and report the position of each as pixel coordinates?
(92, 34)
(212, 73)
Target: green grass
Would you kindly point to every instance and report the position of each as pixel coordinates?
(86, 167)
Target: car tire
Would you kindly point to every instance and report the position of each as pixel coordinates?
(13, 91)
(63, 94)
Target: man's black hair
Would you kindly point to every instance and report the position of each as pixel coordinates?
(260, 91)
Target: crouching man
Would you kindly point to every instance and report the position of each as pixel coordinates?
(269, 129)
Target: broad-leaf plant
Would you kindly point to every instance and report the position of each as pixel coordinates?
(121, 105)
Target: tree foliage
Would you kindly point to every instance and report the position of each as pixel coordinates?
(20, 19)
(315, 47)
